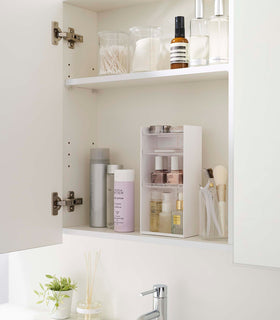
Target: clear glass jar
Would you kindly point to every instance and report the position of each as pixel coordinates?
(113, 53)
(89, 312)
(212, 213)
(145, 48)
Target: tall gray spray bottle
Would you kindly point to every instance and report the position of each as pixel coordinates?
(100, 158)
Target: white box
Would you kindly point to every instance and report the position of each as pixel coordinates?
(187, 145)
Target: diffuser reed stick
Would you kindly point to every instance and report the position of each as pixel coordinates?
(91, 274)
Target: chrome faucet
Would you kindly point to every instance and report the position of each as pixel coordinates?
(160, 303)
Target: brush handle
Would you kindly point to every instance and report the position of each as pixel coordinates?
(222, 218)
(221, 192)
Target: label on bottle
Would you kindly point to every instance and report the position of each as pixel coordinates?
(177, 220)
(179, 52)
(156, 207)
(124, 206)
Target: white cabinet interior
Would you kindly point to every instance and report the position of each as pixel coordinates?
(112, 117)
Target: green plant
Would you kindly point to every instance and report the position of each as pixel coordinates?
(55, 291)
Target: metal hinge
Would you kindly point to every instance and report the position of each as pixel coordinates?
(69, 36)
(70, 202)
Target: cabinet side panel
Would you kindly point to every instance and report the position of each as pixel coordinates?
(79, 111)
(31, 125)
(257, 139)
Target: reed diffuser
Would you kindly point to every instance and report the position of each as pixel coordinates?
(90, 309)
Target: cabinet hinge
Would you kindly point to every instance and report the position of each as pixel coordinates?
(69, 36)
(70, 202)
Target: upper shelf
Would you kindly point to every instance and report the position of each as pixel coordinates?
(214, 72)
(103, 5)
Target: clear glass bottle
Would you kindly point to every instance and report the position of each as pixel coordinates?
(175, 176)
(165, 214)
(160, 174)
(177, 216)
(218, 27)
(199, 40)
(155, 210)
(110, 193)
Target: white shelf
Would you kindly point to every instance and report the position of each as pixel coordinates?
(163, 154)
(136, 236)
(164, 135)
(162, 185)
(152, 78)
(103, 5)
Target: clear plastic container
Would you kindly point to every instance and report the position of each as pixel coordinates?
(89, 312)
(212, 213)
(145, 48)
(113, 53)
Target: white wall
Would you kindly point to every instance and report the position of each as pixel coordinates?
(203, 283)
(4, 283)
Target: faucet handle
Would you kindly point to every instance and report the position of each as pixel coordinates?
(159, 291)
(145, 293)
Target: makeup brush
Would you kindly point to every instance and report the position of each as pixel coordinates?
(221, 177)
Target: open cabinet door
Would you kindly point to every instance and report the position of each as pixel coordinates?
(30, 123)
(257, 133)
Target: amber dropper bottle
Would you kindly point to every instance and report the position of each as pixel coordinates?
(179, 46)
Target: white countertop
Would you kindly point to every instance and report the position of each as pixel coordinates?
(13, 312)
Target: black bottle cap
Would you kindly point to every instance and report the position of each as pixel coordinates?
(179, 27)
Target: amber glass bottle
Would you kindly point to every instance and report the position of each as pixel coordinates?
(179, 47)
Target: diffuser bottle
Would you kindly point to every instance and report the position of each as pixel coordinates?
(179, 48)
(218, 27)
(199, 41)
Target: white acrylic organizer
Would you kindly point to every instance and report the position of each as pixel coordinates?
(188, 147)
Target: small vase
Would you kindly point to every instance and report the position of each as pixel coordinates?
(64, 309)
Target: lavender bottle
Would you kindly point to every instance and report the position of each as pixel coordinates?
(124, 200)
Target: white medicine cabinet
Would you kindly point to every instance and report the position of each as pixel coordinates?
(55, 108)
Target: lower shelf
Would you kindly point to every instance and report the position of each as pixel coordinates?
(136, 236)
